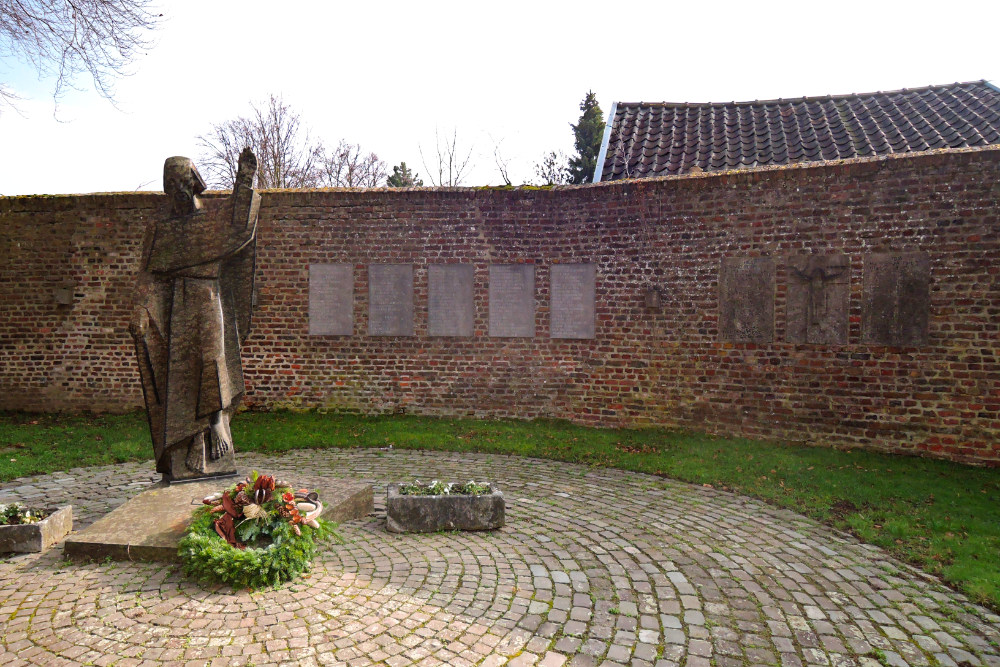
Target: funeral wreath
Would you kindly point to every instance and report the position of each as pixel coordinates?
(257, 533)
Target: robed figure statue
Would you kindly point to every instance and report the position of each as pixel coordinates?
(193, 308)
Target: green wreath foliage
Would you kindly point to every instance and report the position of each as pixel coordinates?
(274, 553)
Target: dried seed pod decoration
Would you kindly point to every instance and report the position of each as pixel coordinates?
(263, 489)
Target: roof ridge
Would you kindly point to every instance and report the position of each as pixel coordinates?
(816, 98)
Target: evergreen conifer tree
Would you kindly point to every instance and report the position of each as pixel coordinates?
(403, 177)
(588, 133)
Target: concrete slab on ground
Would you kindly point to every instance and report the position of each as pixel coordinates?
(150, 526)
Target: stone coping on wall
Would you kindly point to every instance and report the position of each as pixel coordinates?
(748, 172)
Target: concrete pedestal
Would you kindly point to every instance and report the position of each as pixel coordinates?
(150, 526)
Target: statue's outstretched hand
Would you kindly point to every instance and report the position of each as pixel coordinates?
(245, 170)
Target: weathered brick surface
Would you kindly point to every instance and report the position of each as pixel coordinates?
(668, 367)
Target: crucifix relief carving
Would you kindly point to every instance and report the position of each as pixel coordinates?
(818, 298)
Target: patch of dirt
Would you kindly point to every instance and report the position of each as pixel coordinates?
(842, 508)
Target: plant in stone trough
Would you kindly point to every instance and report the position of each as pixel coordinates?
(255, 534)
(438, 488)
(16, 514)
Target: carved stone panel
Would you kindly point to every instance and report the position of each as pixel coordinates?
(746, 299)
(819, 291)
(896, 298)
(450, 310)
(512, 300)
(572, 301)
(390, 299)
(331, 299)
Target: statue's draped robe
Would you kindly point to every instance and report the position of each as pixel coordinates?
(194, 294)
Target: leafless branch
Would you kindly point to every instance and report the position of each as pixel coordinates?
(623, 152)
(450, 165)
(553, 169)
(503, 163)
(348, 166)
(286, 156)
(67, 38)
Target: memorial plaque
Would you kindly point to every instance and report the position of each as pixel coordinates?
(819, 290)
(450, 310)
(746, 299)
(572, 303)
(390, 300)
(896, 298)
(512, 300)
(331, 299)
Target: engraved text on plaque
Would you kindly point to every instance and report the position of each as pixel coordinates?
(450, 309)
(331, 303)
(390, 299)
(572, 307)
(512, 300)
(746, 299)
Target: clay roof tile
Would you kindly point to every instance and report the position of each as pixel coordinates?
(667, 138)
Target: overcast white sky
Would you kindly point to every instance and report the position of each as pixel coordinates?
(386, 74)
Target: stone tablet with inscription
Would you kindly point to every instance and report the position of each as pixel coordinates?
(572, 305)
(746, 299)
(895, 301)
(450, 310)
(819, 290)
(390, 300)
(512, 300)
(331, 299)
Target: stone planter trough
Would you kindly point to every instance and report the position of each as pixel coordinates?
(428, 514)
(32, 537)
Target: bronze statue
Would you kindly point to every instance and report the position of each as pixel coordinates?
(193, 309)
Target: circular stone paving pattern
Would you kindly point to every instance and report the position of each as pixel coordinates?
(594, 567)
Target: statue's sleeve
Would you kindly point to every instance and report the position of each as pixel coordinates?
(205, 237)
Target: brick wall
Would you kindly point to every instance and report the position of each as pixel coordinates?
(666, 367)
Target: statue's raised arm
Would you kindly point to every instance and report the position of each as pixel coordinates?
(246, 202)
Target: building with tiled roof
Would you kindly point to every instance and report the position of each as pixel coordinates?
(664, 139)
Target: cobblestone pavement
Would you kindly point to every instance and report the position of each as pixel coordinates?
(594, 567)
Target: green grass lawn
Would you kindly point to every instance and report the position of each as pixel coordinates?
(941, 516)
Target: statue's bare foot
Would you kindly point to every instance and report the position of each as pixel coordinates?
(221, 438)
(195, 460)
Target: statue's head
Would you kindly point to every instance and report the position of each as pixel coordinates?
(183, 184)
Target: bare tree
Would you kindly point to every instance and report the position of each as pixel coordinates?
(502, 161)
(448, 163)
(348, 166)
(66, 38)
(286, 156)
(552, 169)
